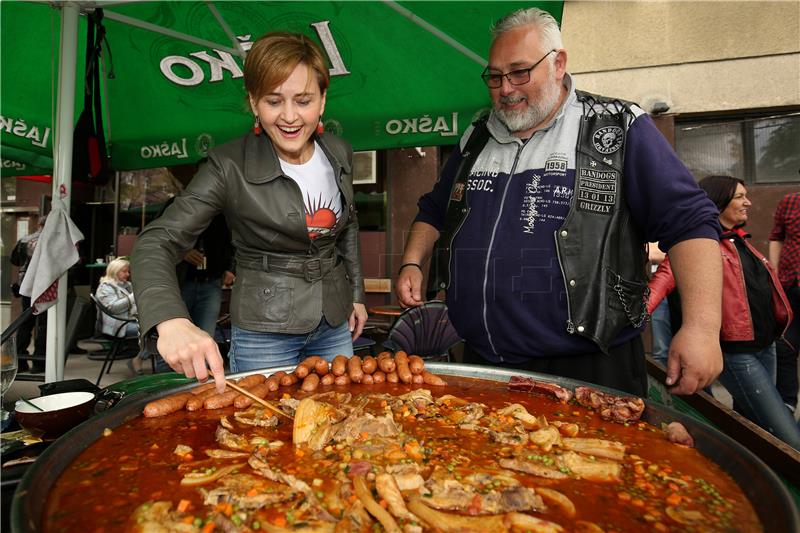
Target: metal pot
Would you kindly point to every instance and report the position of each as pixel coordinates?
(770, 498)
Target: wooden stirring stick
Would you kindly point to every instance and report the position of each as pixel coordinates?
(256, 399)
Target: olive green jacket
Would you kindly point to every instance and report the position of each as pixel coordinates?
(285, 281)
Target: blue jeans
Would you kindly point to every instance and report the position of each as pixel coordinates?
(787, 353)
(251, 350)
(750, 379)
(203, 300)
(661, 329)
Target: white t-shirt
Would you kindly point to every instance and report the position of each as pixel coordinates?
(317, 182)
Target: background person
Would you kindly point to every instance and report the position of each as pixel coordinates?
(116, 293)
(537, 284)
(287, 196)
(784, 255)
(755, 312)
(21, 257)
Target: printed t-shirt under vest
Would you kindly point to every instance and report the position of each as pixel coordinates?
(321, 199)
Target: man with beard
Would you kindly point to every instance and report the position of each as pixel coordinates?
(537, 227)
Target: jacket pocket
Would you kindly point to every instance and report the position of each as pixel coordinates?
(263, 299)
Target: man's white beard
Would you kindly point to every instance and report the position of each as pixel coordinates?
(534, 113)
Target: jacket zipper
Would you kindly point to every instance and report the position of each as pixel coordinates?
(570, 323)
(489, 251)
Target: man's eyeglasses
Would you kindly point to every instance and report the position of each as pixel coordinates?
(494, 80)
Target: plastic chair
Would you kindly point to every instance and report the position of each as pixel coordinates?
(425, 331)
(118, 344)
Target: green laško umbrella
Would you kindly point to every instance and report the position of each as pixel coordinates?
(403, 73)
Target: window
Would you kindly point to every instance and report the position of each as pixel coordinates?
(758, 150)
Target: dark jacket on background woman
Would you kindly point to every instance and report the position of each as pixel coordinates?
(285, 281)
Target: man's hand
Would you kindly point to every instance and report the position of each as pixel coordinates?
(228, 278)
(408, 287)
(194, 257)
(695, 360)
(357, 320)
(186, 348)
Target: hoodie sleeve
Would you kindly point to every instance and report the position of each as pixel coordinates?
(663, 196)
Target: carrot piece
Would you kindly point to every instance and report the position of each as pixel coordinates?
(183, 506)
(674, 499)
(280, 521)
(209, 527)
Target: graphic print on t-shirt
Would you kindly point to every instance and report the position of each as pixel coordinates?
(320, 216)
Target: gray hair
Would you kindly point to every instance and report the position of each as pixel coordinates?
(549, 33)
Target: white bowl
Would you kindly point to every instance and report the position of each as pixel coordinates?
(61, 412)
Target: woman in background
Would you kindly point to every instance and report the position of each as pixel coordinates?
(116, 293)
(755, 312)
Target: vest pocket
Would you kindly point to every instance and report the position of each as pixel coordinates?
(629, 297)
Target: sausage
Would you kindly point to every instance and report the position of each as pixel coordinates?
(303, 369)
(260, 390)
(403, 372)
(165, 406)
(385, 362)
(416, 379)
(273, 383)
(288, 380)
(392, 377)
(354, 369)
(218, 401)
(432, 379)
(322, 367)
(196, 402)
(327, 379)
(251, 380)
(203, 387)
(339, 365)
(367, 379)
(342, 380)
(416, 364)
(379, 376)
(369, 364)
(310, 383)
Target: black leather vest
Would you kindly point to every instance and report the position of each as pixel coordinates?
(600, 251)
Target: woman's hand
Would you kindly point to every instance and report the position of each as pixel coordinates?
(186, 348)
(357, 319)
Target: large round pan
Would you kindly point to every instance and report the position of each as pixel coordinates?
(770, 498)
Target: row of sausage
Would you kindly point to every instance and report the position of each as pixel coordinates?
(310, 373)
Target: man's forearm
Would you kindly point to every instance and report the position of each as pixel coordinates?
(421, 238)
(697, 267)
(775, 248)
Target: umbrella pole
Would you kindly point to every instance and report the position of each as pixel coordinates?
(62, 178)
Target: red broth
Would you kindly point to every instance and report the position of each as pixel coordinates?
(103, 487)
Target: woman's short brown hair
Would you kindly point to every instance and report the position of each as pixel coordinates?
(275, 55)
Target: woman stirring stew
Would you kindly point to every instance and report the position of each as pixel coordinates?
(286, 191)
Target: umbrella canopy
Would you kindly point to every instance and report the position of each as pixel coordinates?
(403, 73)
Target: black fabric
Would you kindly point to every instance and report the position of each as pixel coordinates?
(89, 155)
(759, 299)
(623, 368)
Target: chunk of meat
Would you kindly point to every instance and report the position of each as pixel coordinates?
(248, 492)
(533, 467)
(480, 494)
(598, 447)
(388, 490)
(592, 470)
(158, 517)
(310, 416)
(522, 384)
(677, 433)
(232, 441)
(619, 409)
(354, 426)
(256, 416)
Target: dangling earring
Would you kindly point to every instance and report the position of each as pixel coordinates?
(257, 126)
(320, 127)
